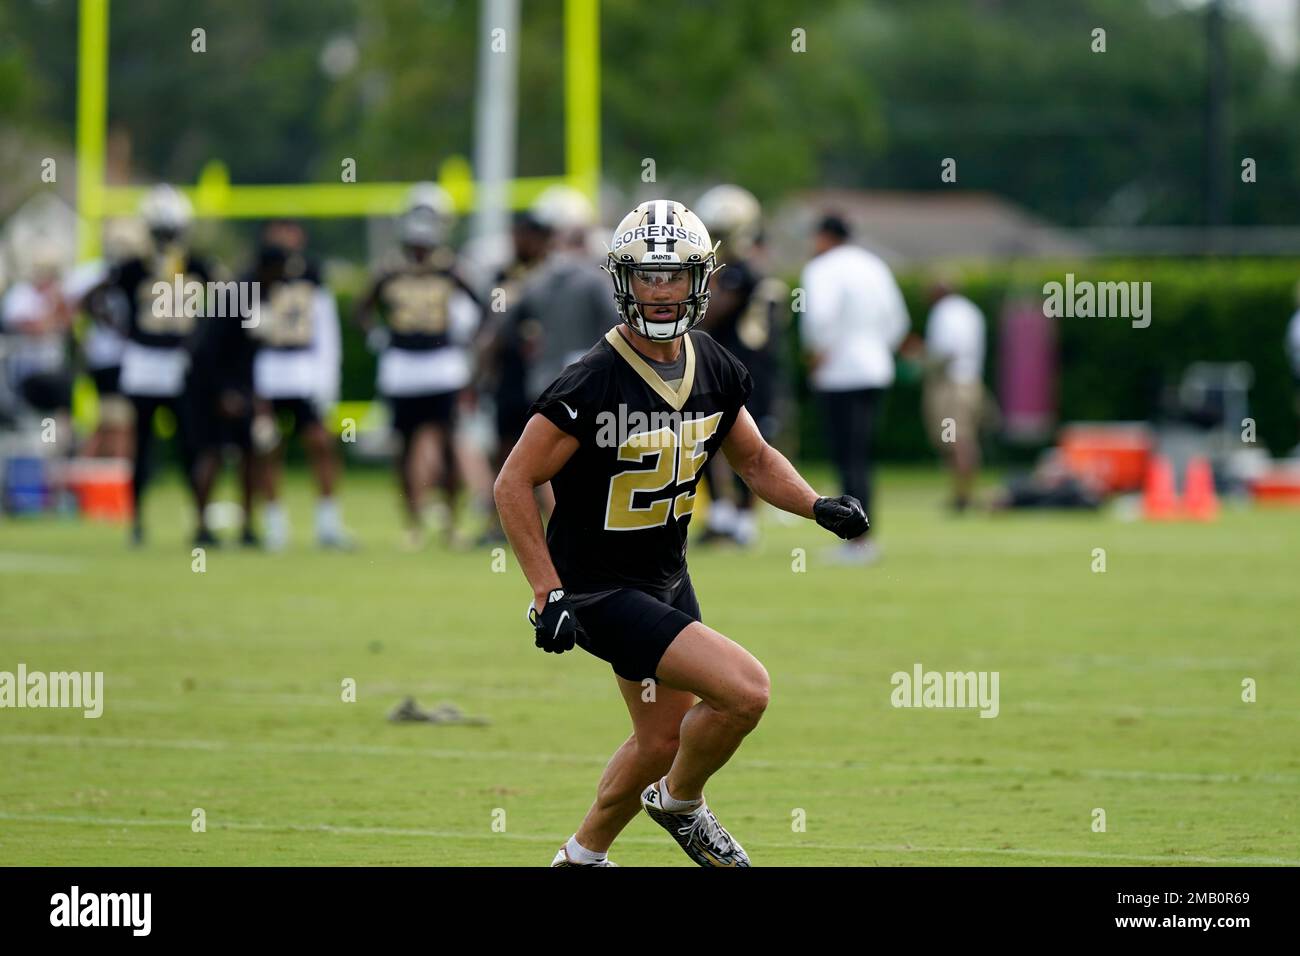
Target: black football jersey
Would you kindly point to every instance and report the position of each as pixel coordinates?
(623, 501)
(156, 316)
(415, 303)
(286, 309)
(753, 330)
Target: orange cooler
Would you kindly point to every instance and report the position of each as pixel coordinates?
(1116, 456)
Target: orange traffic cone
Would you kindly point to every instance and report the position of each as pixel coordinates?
(1200, 503)
(1159, 500)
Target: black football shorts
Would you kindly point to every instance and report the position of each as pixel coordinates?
(631, 628)
(410, 412)
(303, 411)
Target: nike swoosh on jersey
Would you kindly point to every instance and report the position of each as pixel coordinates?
(573, 413)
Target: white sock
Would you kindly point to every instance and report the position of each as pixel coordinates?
(580, 854)
(276, 520)
(746, 527)
(673, 805)
(722, 516)
(327, 518)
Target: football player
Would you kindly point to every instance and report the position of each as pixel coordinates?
(502, 363)
(428, 318)
(623, 436)
(295, 374)
(103, 341)
(159, 333)
(220, 389)
(747, 315)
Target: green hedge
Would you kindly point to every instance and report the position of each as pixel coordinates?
(1202, 310)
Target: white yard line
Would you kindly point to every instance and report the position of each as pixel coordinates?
(416, 753)
(14, 562)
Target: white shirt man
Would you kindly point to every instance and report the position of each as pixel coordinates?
(855, 319)
(953, 399)
(954, 332)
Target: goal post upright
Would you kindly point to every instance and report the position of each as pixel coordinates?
(92, 122)
(214, 196)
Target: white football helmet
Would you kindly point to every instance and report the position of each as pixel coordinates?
(657, 237)
(125, 238)
(430, 214)
(563, 209)
(733, 215)
(166, 212)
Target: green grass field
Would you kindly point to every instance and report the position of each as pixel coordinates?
(1120, 691)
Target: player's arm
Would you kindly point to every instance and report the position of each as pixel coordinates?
(363, 317)
(539, 454)
(363, 311)
(94, 301)
(770, 475)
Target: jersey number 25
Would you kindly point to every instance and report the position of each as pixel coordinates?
(679, 457)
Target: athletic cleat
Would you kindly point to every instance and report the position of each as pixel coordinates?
(698, 832)
(335, 540)
(562, 859)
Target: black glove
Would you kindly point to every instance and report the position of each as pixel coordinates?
(557, 627)
(842, 515)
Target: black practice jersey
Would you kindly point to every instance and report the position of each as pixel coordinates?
(753, 329)
(157, 317)
(287, 314)
(624, 499)
(414, 301)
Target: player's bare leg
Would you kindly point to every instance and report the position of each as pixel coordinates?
(965, 463)
(442, 475)
(275, 521)
(319, 444)
(642, 759)
(476, 474)
(416, 467)
(248, 492)
(733, 688)
(324, 462)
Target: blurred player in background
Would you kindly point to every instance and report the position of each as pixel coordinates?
(855, 319)
(565, 304)
(953, 398)
(501, 366)
(103, 342)
(296, 371)
(159, 331)
(610, 574)
(746, 315)
(220, 390)
(420, 317)
(37, 314)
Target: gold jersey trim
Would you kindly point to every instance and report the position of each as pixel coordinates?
(676, 399)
